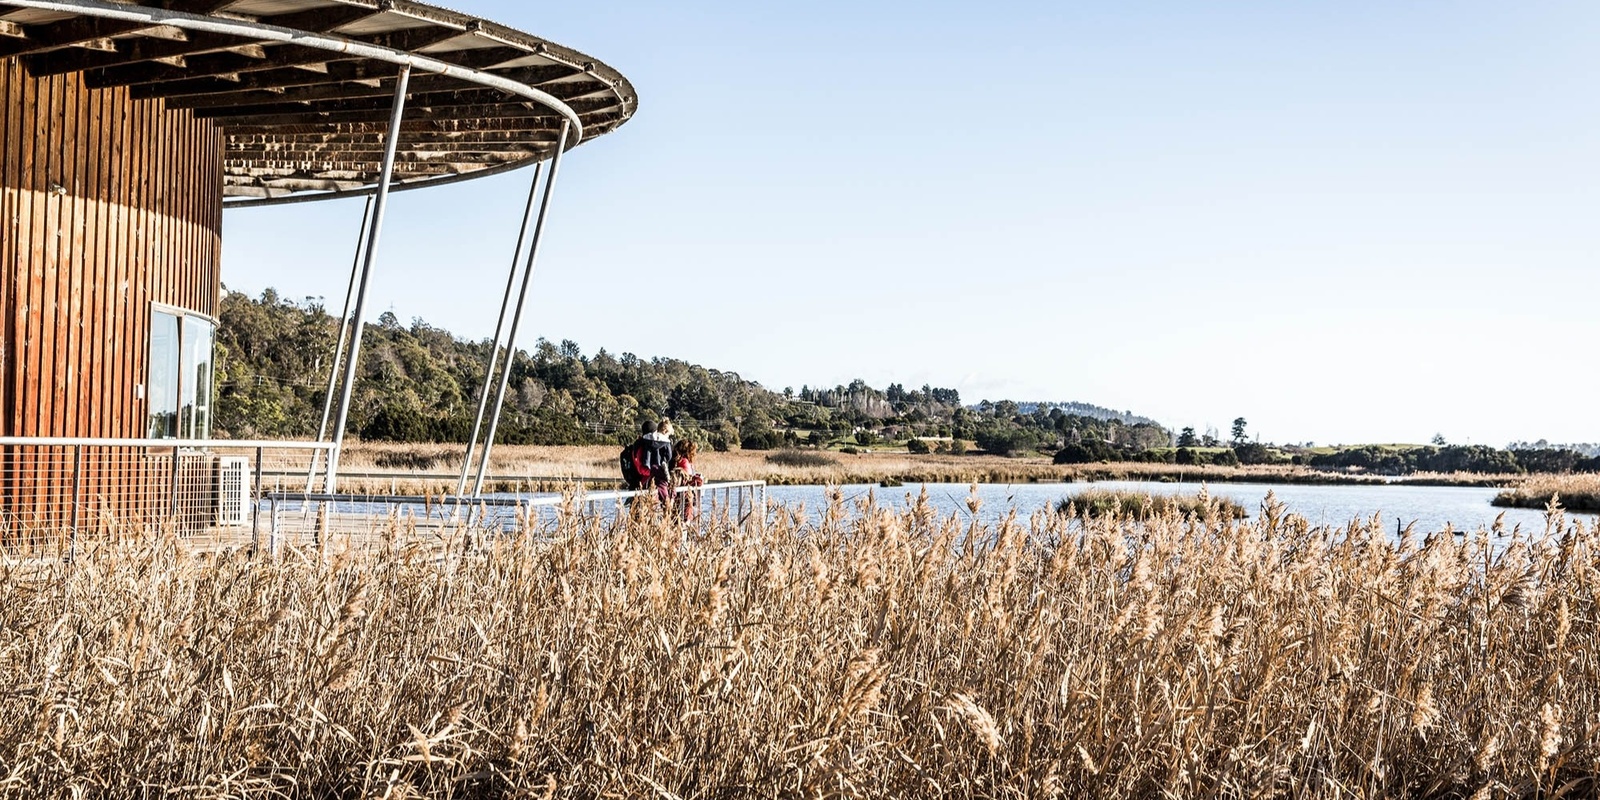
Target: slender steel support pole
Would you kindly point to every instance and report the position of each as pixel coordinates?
(379, 201)
(494, 350)
(77, 500)
(338, 350)
(174, 487)
(516, 319)
(255, 508)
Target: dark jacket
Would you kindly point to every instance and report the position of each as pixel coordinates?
(656, 455)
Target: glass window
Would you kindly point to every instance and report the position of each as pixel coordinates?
(179, 386)
(195, 380)
(162, 387)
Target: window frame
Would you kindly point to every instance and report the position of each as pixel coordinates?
(183, 425)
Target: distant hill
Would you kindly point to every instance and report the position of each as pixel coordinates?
(1089, 410)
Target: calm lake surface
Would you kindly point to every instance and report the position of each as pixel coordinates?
(1430, 507)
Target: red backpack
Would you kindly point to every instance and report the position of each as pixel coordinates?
(631, 463)
(639, 468)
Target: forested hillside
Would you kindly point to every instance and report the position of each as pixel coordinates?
(419, 383)
(1089, 410)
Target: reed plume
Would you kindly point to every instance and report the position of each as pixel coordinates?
(861, 652)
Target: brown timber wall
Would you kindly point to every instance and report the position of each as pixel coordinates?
(107, 204)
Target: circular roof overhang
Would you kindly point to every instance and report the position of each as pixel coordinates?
(302, 89)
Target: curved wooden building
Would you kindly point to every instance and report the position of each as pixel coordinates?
(127, 128)
(112, 212)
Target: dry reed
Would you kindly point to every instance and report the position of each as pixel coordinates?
(1146, 505)
(868, 654)
(1578, 492)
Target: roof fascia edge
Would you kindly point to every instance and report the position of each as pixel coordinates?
(178, 19)
(397, 186)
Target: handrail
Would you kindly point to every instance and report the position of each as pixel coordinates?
(192, 444)
(544, 498)
(440, 476)
(275, 500)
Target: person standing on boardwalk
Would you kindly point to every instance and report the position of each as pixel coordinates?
(656, 457)
(634, 472)
(683, 474)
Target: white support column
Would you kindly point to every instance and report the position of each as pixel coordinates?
(379, 201)
(516, 319)
(338, 350)
(494, 351)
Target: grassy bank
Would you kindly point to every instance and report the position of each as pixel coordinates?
(1574, 492)
(530, 468)
(874, 655)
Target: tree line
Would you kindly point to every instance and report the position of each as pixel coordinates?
(1481, 459)
(419, 383)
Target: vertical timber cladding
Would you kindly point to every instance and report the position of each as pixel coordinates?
(107, 204)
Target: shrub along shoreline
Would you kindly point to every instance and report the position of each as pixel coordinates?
(419, 468)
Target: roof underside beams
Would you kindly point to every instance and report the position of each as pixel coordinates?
(303, 119)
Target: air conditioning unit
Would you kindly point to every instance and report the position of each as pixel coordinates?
(233, 491)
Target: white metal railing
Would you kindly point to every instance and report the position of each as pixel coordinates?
(56, 491)
(316, 518)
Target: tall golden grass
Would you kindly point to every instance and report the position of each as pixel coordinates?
(1145, 505)
(868, 654)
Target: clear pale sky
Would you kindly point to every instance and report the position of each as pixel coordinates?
(1346, 222)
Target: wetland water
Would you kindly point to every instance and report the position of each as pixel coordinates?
(1430, 507)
